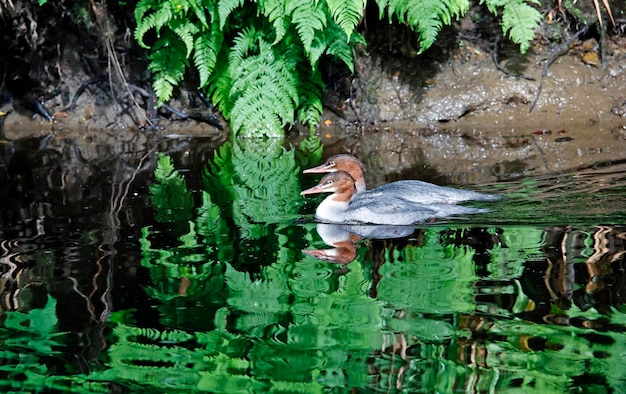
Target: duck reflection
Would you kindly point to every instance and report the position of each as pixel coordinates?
(343, 238)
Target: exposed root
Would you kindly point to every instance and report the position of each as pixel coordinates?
(108, 35)
(555, 55)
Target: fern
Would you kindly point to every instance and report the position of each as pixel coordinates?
(308, 17)
(206, 50)
(263, 95)
(347, 14)
(425, 16)
(520, 21)
(168, 63)
(156, 20)
(310, 93)
(225, 8)
(185, 31)
(274, 10)
(258, 60)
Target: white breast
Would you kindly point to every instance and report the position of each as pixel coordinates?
(331, 211)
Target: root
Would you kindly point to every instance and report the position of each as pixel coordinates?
(555, 55)
(108, 37)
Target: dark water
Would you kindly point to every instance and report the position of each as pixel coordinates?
(117, 277)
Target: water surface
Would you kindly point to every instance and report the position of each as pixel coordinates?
(194, 270)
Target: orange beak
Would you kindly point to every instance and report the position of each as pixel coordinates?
(322, 168)
(315, 190)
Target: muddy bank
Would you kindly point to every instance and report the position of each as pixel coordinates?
(465, 121)
(450, 117)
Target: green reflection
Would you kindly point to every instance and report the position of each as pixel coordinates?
(448, 308)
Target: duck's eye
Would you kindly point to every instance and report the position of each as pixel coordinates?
(331, 163)
(329, 182)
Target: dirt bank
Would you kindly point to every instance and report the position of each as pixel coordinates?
(465, 121)
(452, 116)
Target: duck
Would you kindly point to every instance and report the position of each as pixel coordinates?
(342, 207)
(410, 190)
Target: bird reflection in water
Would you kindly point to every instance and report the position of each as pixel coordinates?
(344, 238)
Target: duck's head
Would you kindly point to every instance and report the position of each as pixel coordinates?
(342, 162)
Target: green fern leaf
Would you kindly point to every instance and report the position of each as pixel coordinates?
(198, 9)
(347, 14)
(428, 18)
(185, 31)
(142, 7)
(156, 20)
(168, 63)
(244, 43)
(308, 17)
(318, 48)
(207, 46)
(340, 47)
(274, 10)
(264, 92)
(219, 87)
(493, 5)
(277, 70)
(424, 16)
(458, 8)
(225, 8)
(520, 21)
(310, 91)
(253, 111)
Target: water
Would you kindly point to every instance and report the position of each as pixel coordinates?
(115, 277)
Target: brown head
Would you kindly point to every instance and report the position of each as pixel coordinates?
(338, 182)
(343, 162)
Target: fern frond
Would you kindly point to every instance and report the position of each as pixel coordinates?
(185, 31)
(244, 43)
(520, 21)
(198, 7)
(308, 17)
(493, 5)
(225, 8)
(162, 16)
(310, 91)
(266, 94)
(274, 11)
(340, 47)
(347, 13)
(428, 19)
(143, 6)
(207, 47)
(168, 63)
(458, 8)
(254, 112)
(424, 16)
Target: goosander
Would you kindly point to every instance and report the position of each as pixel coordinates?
(341, 207)
(411, 190)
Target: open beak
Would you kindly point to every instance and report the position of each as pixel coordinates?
(322, 168)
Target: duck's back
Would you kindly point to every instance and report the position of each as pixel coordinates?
(428, 193)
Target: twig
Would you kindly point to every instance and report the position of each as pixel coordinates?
(494, 56)
(555, 54)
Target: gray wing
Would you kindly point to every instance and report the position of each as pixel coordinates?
(387, 210)
(427, 193)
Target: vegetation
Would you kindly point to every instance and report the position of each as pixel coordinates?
(259, 60)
